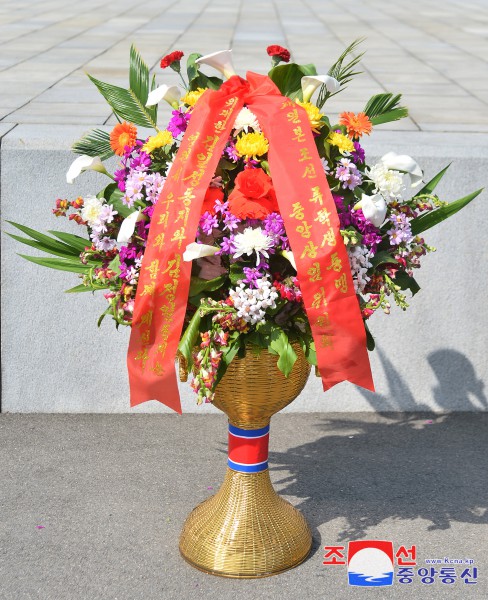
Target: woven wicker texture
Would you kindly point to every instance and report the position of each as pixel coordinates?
(246, 530)
(253, 388)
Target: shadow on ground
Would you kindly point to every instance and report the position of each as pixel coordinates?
(409, 465)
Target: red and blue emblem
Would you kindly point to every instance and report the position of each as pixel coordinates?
(248, 449)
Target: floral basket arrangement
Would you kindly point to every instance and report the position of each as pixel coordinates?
(243, 287)
(250, 222)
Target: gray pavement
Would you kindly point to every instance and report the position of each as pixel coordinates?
(434, 51)
(91, 506)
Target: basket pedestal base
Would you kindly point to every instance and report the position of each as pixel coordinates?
(245, 530)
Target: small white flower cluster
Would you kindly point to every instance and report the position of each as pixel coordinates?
(98, 214)
(359, 260)
(252, 303)
(389, 183)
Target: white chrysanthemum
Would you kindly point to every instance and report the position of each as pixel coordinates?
(359, 261)
(252, 303)
(387, 182)
(92, 207)
(246, 119)
(252, 240)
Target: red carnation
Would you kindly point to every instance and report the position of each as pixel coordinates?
(278, 53)
(172, 60)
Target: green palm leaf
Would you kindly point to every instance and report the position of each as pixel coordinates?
(94, 143)
(384, 108)
(130, 105)
(59, 264)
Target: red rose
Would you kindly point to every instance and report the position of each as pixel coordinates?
(213, 194)
(253, 196)
(169, 59)
(280, 52)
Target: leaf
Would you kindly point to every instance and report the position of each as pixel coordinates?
(227, 357)
(197, 79)
(75, 241)
(82, 288)
(130, 104)
(406, 282)
(114, 264)
(370, 343)
(198, 285)
(288, 78)
(392, 115)
(236, 273)
(342, 72)
(432, 184)
(94, 143)
(39, 246)
(383, 108)
(382, 258)
(280, 344)
(430, 219)
(58, 264)
(189, 338)
(113, 196)
(46, 240)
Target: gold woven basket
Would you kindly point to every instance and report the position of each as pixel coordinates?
(246, 530)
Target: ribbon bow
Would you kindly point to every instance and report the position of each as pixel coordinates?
(311, 222)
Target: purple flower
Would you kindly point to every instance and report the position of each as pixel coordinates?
(347, 173)
(401, 232)
(231, 151)
(230, 221)
(358, 155)
(119, 177)
(208, 222)
(252, 275)
(141, 162)
(227, 245)
(178, 122)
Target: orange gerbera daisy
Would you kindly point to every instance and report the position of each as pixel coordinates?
(122, 135)
(356, 125)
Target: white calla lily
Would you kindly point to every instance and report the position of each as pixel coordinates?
(288, 254)
(128, 227)
(373, 207)
(171, 94)
(311, 82)
(405, 164)
(222, 61)
(195, 250)
(85, 163)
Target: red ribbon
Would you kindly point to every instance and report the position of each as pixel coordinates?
(311, 222)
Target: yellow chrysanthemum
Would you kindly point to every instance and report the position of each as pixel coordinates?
(163, 138)
(191, 98)
(252, 145)
(341, 141)
(314, 115)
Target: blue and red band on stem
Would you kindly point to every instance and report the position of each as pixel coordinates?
(248, 449)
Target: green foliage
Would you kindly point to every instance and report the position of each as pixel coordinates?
(45, 242)
(370, 343)
(113, 196)
(60, 264)
(198, 285)
(280, 344)
(74, 241)
(342, 71)
(432, 184)
(428, 220)
(94, 143)
(288, 78)
(406, 282)
(189, 338)
(83, 288)
(384, 108)
(382, 258)
(130, 104)
(197, 79)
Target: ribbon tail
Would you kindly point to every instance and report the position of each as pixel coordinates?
(164, 280)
